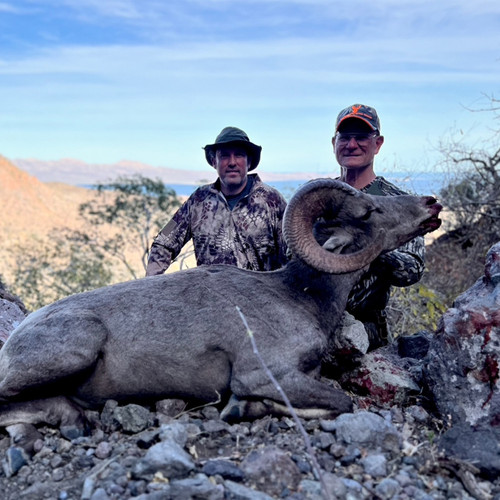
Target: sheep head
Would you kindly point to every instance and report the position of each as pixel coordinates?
(337, 229)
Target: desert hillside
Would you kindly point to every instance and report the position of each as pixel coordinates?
(30, 209)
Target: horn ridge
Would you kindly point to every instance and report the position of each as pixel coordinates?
(308, 204)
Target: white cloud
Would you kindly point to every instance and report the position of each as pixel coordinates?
(318, 60)
(9, 8)
(106, 80)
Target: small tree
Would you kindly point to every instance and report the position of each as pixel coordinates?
(472, 197)
(66, 262)
(137, 208)
(117, 224)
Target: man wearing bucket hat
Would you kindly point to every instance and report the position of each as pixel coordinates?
(236, 220)
(356, 141)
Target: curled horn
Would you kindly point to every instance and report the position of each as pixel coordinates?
(311, 201)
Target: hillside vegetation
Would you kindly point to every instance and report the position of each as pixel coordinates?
(32, 210)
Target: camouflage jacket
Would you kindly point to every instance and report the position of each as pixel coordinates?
(401, 267)
(248, 236)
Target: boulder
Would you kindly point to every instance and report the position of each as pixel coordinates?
(462, 368)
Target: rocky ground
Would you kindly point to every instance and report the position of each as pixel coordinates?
(166, 453)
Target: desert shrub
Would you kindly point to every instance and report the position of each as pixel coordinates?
(66, 262)
(112, 245)
(472, 197)
(414, 308)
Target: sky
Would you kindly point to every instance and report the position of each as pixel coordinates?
(154, 80)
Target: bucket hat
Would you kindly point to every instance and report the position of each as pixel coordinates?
(236, 136)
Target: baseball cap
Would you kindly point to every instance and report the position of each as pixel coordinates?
(360, 112)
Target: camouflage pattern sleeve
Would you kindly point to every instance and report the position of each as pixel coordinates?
(169, 241)
(405, 265)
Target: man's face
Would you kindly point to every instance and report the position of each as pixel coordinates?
(231, 163)
(352, 153)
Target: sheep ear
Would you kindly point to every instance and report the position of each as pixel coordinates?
(337, 242)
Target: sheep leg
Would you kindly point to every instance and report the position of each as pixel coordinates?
(55, 411)
(49, 353)
(250, 409)
(19, 418)
(309, 397)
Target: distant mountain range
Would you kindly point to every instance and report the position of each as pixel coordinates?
(79, 173)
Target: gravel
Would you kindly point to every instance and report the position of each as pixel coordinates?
(159, 453)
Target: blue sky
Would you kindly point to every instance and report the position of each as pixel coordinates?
(155, 80)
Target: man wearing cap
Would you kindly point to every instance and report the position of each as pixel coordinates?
(356, 141)
(236, 220)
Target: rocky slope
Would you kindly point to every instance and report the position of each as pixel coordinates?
(166, 452)
(162, 453)
(30, 209)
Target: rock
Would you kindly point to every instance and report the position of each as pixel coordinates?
(352, 339)
(348, 346)
(478, 446)
(24, 436)
(132, 418)
(464, 355)
(175, 432)
(237, 491)
(223, 468)
(214, 427)
(10, 297)
(103, 450)
(65, 470)
(418, 413)
(387, 488)
(375, 465)
(170, 408)
(166, 457)
(15, 459)
(197, 487)
(271, 470)
(414, 346)
(108, 420)
(380, 381)
(313, 490)
(11, 316)
(366, 429)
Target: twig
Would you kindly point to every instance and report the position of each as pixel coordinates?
(465, 472)
(295, 417)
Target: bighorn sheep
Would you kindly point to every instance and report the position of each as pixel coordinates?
(180, 335)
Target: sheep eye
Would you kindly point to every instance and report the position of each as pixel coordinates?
(366, 215)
